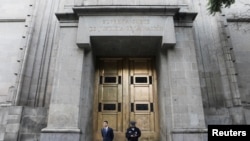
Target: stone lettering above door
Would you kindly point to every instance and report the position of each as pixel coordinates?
(133, 25)
(162, 26)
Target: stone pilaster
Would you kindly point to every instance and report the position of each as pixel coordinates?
(63, 115)
(188, 120)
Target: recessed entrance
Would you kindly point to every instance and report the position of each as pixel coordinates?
(126, 90)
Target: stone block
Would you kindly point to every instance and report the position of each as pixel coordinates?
(178, 74)
(29, 137)
(63, 115)
(180, 66)
(2, 128)
(14, 9)
(14, 119)
(31, 124)
(4, 115)
(178, 137)
(190, 137)
(38, 111)
(15, 110)
(60, 137)
(218, 119)
(1, 136)
(12, 128)
(10, 136)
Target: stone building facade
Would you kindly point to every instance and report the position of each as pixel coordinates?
(67, 65)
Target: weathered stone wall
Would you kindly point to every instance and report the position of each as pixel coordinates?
(218, 79)
(27, 31)
(13, 123)
(180, 102)
(240, 35)
(33, 120)
(12, 34)
(37, 74)
(22, 123)
(238, 23)
(213, 79)
(223, 54)
(3, 121)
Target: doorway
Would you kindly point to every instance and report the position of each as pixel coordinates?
(125, 90)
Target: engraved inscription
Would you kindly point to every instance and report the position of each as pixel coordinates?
(128, 25)
(125, 21)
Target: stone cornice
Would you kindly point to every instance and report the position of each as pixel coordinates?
(238, 19)
(126, 10)
(67, 17)
(186, 17)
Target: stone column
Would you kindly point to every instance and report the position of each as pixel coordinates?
(63, 117)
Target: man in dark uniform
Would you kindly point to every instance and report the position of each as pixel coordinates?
(107, 132)
(133, 133)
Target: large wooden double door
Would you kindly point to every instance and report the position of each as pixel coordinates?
(125, 91)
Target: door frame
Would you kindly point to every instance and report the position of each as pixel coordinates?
(126, 95)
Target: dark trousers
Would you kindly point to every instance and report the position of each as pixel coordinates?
(133, 139)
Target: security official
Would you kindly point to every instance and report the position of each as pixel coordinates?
(133, 133)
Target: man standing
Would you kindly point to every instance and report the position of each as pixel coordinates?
(107, 132)
(133, 133)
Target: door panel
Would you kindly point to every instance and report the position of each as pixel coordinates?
(109, 93)
(141, 93)
(143, 97)
(126, 91)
